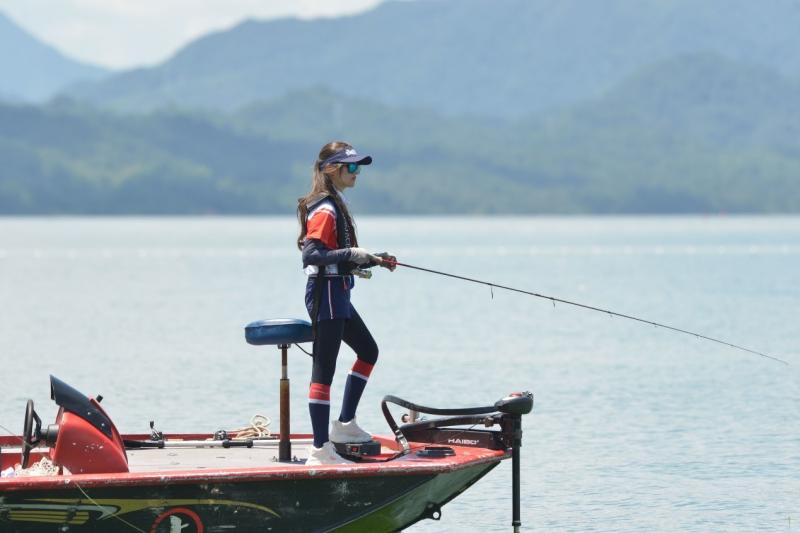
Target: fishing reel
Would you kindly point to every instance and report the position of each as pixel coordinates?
(360, 273)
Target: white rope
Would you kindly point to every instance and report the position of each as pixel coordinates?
(258, 428)
(45, 467)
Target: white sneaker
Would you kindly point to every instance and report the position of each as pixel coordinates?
(344, 432)
(325, 456)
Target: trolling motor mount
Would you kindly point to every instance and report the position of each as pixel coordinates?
(505, 413)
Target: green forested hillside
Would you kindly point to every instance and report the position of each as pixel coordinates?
(69, 159)
(698, 133)
(693, 134)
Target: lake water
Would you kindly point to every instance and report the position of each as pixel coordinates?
(634, 427)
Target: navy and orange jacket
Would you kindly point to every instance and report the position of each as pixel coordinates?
(328, 240)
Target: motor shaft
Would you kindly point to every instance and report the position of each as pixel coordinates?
(515, 473)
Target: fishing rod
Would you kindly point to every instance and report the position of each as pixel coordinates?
(591, 308)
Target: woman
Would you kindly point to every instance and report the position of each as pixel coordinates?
(329, 244)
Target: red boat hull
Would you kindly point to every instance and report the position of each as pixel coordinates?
(368, 496)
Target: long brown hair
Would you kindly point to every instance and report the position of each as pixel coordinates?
(322, 185)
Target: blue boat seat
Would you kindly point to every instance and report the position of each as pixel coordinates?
(278, 331)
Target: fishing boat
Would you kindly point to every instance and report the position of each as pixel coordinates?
(81, 474)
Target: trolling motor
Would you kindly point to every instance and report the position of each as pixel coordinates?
(506, 413)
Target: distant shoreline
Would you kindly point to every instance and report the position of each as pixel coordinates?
(719, 216)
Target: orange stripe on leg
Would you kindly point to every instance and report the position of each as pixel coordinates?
(363, 368)
(318, 391)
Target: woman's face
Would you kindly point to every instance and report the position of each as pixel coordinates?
(343, 179)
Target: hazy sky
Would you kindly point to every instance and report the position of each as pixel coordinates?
(127, 33)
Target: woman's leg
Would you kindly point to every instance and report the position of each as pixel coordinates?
(357, 336)
(326, 348)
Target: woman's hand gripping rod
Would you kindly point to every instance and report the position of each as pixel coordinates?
(382, 259)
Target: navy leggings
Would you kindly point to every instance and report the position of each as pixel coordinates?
(330, 334)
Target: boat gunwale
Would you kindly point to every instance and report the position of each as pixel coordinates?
(405, 465)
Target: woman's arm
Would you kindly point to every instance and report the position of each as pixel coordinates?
(316, 253)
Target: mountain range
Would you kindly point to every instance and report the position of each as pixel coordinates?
(541, 106)
(499, 58)
(653, 144)
(32, 71)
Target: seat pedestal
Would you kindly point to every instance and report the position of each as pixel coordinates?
(281, 332)
(284, 445)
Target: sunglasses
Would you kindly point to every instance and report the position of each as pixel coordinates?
(353, 168)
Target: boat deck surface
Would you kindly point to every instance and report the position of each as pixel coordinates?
(261, 456)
